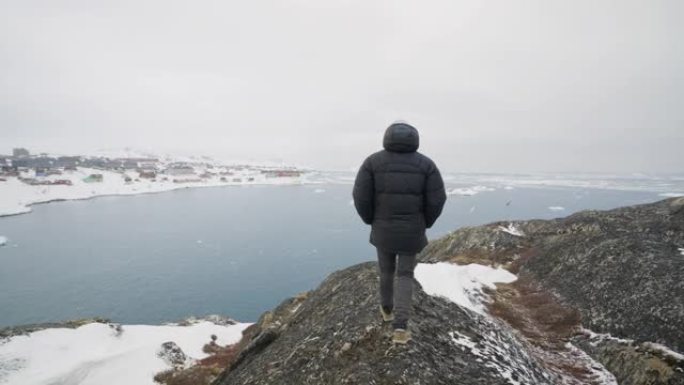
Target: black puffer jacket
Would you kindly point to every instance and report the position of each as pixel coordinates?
(400, 192)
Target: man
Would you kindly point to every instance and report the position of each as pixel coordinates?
(400, 193)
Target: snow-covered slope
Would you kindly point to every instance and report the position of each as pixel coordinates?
(98, 354)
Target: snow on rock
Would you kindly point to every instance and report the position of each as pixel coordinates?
(659, 349)
(511, 229)
(492, 350)
(461, 284)
(597, 373)
(97, 354)
(468, 191)
(3, 240)
(556, 208)
(681, 250)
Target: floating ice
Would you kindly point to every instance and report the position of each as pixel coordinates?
(672, 194)
(3, 240)
(556, 208)
(468, 191)
(319, 190)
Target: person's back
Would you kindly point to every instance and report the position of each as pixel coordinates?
(400, 193)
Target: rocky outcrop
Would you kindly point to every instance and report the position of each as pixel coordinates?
(622, 270)
(596, 290)
(334, 335)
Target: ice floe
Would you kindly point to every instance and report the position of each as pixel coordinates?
(468, 191)
(556, 208)
(672, 194)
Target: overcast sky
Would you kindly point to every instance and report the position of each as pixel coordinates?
(493, 86)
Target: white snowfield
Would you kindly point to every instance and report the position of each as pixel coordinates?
(17, 196)
(461, 284)
(94, 354)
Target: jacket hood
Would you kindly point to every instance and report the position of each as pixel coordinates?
(401, 137)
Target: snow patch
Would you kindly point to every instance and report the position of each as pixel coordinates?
(97, 354)
(3, 240)
(672, 194)
(681, 250)
(556, 208)
(511, 229)
(461, 284)
(664, 350)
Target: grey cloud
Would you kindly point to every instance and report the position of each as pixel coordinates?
(492, 86)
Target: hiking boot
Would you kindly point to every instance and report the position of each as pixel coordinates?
(387, 314)
(401, 336)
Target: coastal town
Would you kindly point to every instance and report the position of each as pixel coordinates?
(27, 178)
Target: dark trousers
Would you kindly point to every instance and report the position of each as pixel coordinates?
(400, 300)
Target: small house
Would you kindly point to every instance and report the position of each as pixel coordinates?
(147, 174)
(180, 170)
(20, 152)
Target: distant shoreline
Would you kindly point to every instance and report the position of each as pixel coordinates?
(26, 209)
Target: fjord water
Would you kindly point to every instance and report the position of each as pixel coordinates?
(236, 251)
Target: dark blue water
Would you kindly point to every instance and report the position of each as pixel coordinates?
(236, 251)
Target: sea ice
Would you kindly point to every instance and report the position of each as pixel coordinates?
(672, 194)
(468, 191)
